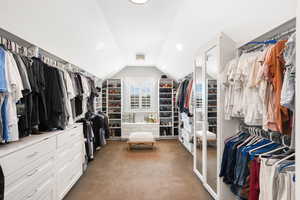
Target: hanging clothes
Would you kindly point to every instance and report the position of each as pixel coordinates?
(253, 87)
(3, 97)
(37, 97)
(287, 98)
(70, 94)
(184, 96)
(251, 177)
(89, 139)
(93, 95)
(24, 105)
(38, 86)
(274, 65)
(15, 87)
(55, 100)
(228, 85)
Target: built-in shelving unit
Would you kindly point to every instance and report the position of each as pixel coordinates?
(104, 97)
(175, 113)
(112, 105)
(212, 105)
(98, 101)
(168, 113)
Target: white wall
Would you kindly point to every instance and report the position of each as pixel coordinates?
(132, 74)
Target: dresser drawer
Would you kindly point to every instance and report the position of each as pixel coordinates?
(28, 187)
(29, 170)
(68, 174)
(46, 191)
(67, 154)
(21, 158)
(70, 135)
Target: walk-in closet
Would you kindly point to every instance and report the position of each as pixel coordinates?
(149, 100)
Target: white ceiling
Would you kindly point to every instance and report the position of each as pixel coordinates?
(140, 29)
(102, 36)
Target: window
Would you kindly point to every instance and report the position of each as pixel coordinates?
(140, 96)
(199, 96)
(134, 98)
(146, 98)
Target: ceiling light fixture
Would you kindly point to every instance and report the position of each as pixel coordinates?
(179, 47)
(139, 2)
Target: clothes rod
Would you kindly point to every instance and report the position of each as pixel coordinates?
(276, 33)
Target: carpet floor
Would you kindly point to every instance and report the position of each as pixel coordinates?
(116, 173)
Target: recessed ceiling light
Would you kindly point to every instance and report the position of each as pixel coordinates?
(139, 2)
(179, 47)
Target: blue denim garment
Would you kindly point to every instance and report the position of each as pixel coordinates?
(243, 158)
(3, 84)
(229, 178)
(227, 151)
(263, 150)
(4, 116)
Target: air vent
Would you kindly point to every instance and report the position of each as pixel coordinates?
(140, 57)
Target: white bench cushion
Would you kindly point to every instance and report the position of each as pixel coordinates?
(141, 137)
(209, 135)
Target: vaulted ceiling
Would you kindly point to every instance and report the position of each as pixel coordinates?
(102, 36)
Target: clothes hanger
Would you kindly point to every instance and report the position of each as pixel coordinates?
(262, 146)
(247, 140)
(275, 150)
(279, 161)
(272, 151)
(286, 165)
(290, 151)
(256, 137)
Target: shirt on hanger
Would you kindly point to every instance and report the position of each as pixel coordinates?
(277, 114)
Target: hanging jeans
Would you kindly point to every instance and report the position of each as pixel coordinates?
(4, 118)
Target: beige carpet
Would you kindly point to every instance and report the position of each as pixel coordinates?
(161, 174)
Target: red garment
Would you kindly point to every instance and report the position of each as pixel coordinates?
(254, 180)
(189, 95)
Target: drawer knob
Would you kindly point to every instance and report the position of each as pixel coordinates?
(32, 155)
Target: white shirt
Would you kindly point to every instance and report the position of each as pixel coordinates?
(15, 87)
(228, 86)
